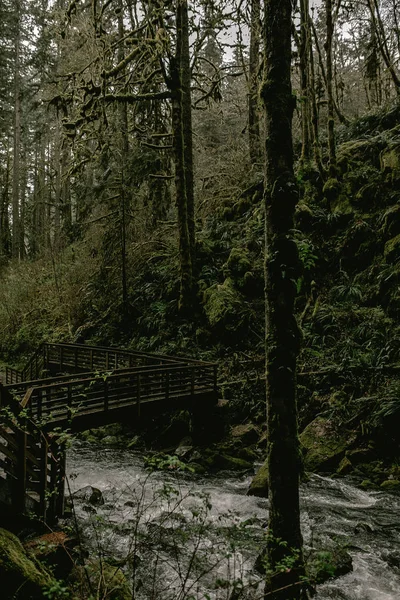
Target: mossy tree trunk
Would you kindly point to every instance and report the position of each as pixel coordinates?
(16, 238)
(254, 64)
(305, 39)
(329, 88)
(182, 140)
(282, 335)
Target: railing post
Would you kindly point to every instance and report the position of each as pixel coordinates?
(107, 360)
(116, 361)
(91, 359)
(138, 391)
(44, 448)
(76, 358)
(60, 497)
(21, 472)
(61, 358)
(105, 395)
(69, 402)
(39, 410)
(167, 386)
(192, 380)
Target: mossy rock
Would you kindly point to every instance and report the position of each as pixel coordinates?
(107, 580)
(391, 484)
(392, 250)
(345, 467)
(332, 189)
(324, 447)
(231, 463)
(360, 151)
(20, 575)
(246, 433)
(259, 485)
(237, 264)
(223, 305)
(390, 158)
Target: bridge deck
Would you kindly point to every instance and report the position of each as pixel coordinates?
(90, 386)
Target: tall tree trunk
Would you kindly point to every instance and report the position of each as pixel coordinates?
(5, 234)
(315, 116)
(182, 141)
(254, 64)
(124, 151)
(284, 541)
(329, 89)
(383, 46)
(305, 40)
(185, 75)
(17, 136)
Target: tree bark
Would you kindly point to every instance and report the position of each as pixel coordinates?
(329, 89)
(305, 40)
(255, 150)
(182, 140)
(17, 136)
(282, 336)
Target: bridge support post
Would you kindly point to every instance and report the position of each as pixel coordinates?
(205, 426)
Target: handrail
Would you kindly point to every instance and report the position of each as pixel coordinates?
(56, 400)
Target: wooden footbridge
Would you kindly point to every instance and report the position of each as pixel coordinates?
(72, 387)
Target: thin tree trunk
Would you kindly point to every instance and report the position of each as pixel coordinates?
(124, 151)
(329, 89)
(184, 62)
(344, 120)
(381, 35)
(17, 138)
(305, 80)
(284, 542)
(254, 116)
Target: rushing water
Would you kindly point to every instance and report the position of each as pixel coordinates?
(185, 537)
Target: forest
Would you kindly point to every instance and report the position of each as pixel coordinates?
(218, 182)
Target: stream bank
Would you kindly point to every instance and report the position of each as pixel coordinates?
(192, 534)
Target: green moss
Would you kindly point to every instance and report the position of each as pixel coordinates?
(237, 264)
(259, 485)
(107, 580)
(345, 467)
(331, 189)
(391, 484)
(390, 158)
(223, 305)
(392, 250)
(324, 447)
(20, 575)
(231, 463)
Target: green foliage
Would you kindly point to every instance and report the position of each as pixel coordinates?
(167, 462)
(57, 590)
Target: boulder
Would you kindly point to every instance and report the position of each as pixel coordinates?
(21, 576)
(345, 467)
(390, 484)
(259, 485)
(231, 463)
(247, 434)
(323, 446)
(90, 494)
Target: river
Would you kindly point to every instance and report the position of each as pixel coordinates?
(188, 536)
